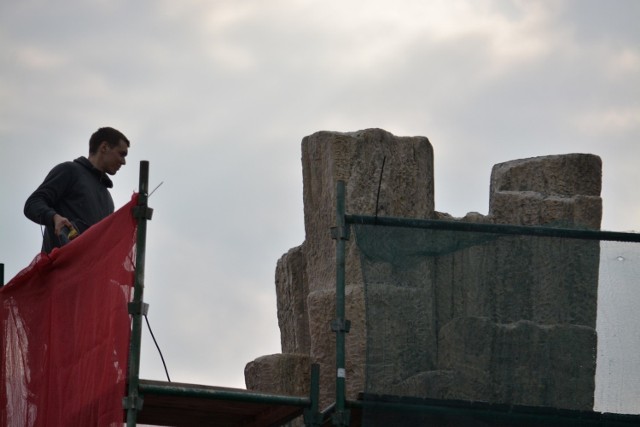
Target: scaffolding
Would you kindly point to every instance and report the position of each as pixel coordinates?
(184, 404)
(167, 403)
(375, 409)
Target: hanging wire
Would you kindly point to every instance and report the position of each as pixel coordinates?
(154, 190)
(166, 371)
(158, 347)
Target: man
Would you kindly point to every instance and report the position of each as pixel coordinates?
(75, 194)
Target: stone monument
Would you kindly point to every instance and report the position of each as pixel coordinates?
(470, 330)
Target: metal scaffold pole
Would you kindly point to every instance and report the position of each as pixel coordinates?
(137, 308)
(340, 325)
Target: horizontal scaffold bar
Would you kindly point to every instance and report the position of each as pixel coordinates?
(553, 417)
(188, 390)
(526, 230)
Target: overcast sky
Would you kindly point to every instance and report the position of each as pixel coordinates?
(218, 95)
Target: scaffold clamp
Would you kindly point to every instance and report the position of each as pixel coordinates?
(138, 308)
(341, 233)
(341, 325)
(144, 212)
(341, 418)
(132, 402)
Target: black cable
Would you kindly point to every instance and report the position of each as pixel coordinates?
(158, 347)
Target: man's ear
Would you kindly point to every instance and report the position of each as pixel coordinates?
(104, 145)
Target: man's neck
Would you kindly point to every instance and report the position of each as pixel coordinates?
(93, 159)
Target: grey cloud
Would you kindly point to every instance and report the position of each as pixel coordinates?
(218, 98)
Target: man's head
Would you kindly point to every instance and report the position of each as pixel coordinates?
(108, 148)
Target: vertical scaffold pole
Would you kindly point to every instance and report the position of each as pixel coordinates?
(312, 415)
(133, 402)
(340, 326)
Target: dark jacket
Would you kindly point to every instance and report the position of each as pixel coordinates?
(75, 190)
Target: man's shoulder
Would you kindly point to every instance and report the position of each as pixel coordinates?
(82, 162)
(64, 168)
(79, 166)
(71, 170)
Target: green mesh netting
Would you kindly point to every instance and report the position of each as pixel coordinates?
(503, 319)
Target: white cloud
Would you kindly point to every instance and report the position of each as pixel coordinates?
(31, 57)
(625, 62)
(609, 121)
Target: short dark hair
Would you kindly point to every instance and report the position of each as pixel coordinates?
(109, 134)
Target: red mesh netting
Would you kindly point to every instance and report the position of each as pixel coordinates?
(65, 330)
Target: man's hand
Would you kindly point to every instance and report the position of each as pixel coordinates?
(59, 222)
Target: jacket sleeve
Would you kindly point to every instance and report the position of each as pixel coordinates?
(40, 207)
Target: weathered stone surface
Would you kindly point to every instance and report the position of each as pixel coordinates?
(510, 320)
(557, 175)
(322, 311)
(308, 273)
(357, 158)
(552, 190)
(406, 189)
(520, 363)
(291, 290)
(546, 280)
(285, 374)
(439, 384)
(404, 341)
